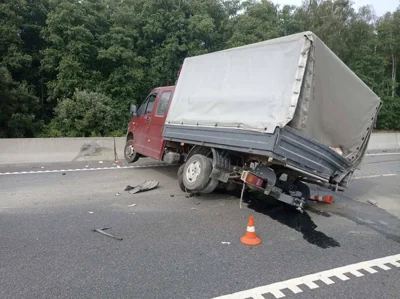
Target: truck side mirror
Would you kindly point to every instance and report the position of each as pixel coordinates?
(133, 110)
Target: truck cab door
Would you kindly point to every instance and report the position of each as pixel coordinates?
(154, 145)
(142, 122)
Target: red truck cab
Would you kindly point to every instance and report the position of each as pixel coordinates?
(144, 136)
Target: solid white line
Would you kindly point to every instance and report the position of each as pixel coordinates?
(382, 154)
(83, 169)
(292, 284)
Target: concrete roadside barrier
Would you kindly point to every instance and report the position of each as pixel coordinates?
(47, 150)
(384, 142)
(120, 146)
(42, 150)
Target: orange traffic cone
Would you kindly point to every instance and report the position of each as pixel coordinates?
(325, 198)
(250, 237)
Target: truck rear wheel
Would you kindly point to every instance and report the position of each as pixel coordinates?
(131, 156)
(210, 187)
(196, 173)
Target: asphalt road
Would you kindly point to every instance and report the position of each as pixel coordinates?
(172, 245)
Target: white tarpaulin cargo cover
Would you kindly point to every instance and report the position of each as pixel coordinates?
(258, 87)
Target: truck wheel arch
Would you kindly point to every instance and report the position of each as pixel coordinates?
(129, 136)
(220, 159)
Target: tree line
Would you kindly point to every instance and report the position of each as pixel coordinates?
(72, 67)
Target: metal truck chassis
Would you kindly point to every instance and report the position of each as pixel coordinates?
(292, 148)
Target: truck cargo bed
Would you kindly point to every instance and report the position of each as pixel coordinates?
(294, 149)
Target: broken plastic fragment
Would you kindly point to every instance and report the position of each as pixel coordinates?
(132, 205)
(146, 186)
(128, 188)
(102, 231)
(227, 243)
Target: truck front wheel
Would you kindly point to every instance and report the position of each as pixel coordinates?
(131, 156)
(180, 178)
(196, 173)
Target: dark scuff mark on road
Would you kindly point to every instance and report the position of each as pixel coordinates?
(292, 218)
(366, 215)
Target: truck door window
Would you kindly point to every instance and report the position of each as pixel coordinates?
(142, 107)
(150, 104)
(163, 103)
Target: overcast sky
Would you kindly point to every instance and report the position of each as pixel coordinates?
(380, 6)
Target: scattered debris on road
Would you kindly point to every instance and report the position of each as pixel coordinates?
(100, 162)
(372, 202)
(226, 243)
(194, 209)
(102, 231)
(117, 194)
(146, 186)
(63, 173)
(132, 205)
(90, 212)
(42, 167)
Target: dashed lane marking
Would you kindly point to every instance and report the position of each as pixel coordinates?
(146, 166)
(375, 176)
(83, 169)
(343, 273)
(382, 154)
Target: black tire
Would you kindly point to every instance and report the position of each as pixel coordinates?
(196, 173)
(180, 178)
(131, 156)
(210, 187)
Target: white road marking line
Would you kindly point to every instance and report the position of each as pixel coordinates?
(342, 277)
(375, 176)
(311, 285)
(382, 154)
(327, 280)
(356, 273)
(83, 169)
(295, 289)
(384, 267)
(370, 270)
(292, 284)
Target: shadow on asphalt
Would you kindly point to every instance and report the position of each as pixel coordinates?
(289, 216)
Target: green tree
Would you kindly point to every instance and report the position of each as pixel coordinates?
(20, 43)
(84, 114)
